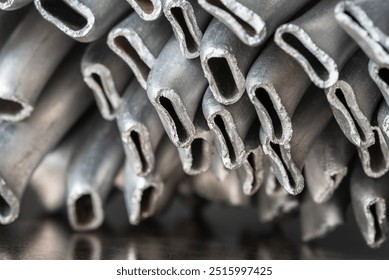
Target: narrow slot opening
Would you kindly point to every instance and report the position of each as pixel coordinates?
(197, 151)
(340, 95)
(218, 120)
(122, 43)
(251, 160)
(244, 24)
(8, 107)
(315, 63)
(383, 73)
(168, 106)
(264, 98)
(83, 249)
(378, 234)
(97, 79)
(65, 13)
(5, 208)
(147, 6)
(135, 138)
(277, 150)
(190, 42)
(224, 79)
(147, 201)
(84, 209)
(377, 160)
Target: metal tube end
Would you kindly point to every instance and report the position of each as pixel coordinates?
(354, 20)
(320, 67)
(244, 22)
(10, 5)
(9, 204)
(196, 157)
(251, 173)
(14, 110)
(182, 17)
(144, 203)
(274, 118)
(72, 17)
(85, 211)
(349, 116)
(99, 78)
(147, 9)
(127, 44)
(380, 75)
(377, 228)
(225, 79)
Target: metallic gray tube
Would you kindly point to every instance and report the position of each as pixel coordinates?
(147, 9)
(250, 20)
(380, 75)
(375, 158)
(106, 75)
(310, 40)
(140, 129)
(32, 42)
(383, 119)
(366, 21)
(82, 20)
(24, 144)
(275, 204)
(175, 87)
(309, 120)
(369, 199)
(319, 219)
(230, 126)
(275, 84)
(188, 21)
(139, 43)
(225, 61)
(10, 5)
(327, 163)
(8, 22)
(353, 99)
(91, 173)
(146, 196)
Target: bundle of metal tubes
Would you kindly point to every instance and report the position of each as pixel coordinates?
(280, 105)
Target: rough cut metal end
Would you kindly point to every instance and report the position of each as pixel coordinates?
(9, 204)
(10, 5)
(320, 67)
(244, 22)
(251, 173)
(147, 9)
(355, 21)
(14, 110)
(380, 75)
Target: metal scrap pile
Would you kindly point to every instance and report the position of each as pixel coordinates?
(242, 102)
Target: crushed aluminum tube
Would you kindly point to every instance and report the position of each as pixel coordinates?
(82, 20)
(375, 158)
(188, 21)
(380, 75)
(175, 87)
(310, 40)
(366, 21)
(275, 84)
(140, 129)
(24, 144)
(353, 100)
(147, 9)
(91, 173)
(250, 20)
(369, 199)
(146, 196)
(327, 163)
(106, 75)
(319, 219)
(10, 5)
(139, 43)
(27, 61)
(230, 126)
(225, 61)
(311, 117)
(274, 205)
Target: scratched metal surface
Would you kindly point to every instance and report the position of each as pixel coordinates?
(217, 233)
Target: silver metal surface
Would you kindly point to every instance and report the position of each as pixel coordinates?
(175, 87)
(8, 22)
(27, 61)
(140, 129)
(310, 39)
(106, 75)
(9, 5)
(380, 75)
(24, 144)
(82, 20)
(147, 9)
(139, 43)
